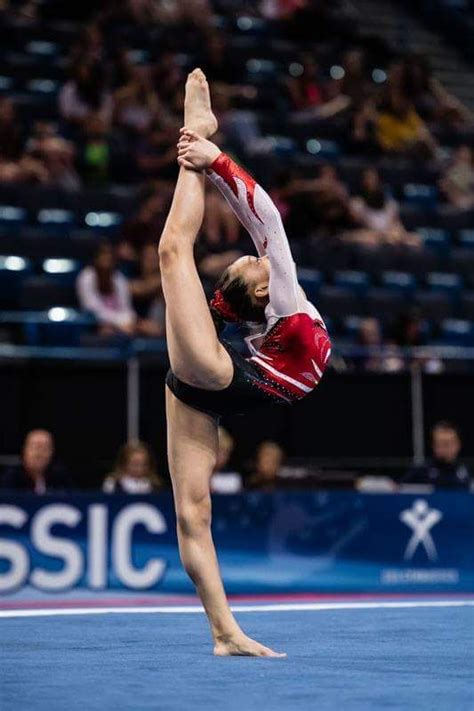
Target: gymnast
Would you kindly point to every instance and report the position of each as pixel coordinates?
(288, 345)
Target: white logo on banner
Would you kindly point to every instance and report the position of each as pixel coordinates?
(421, 519)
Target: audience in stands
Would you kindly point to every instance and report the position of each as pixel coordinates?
(38, 470)
(268, 463)
(146, 293)
(457, 182)
(105, 292)
(224, 479)
(378, 216)
(444, 470)
(370, 336)
(134, 472)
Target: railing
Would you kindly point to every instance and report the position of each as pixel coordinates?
(134, 355)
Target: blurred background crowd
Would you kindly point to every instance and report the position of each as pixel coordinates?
(40, 471)
(365, 145)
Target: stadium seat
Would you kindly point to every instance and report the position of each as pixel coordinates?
(446, 282)
(434, 237)
(434, 305)
(55, 218)
(12, 217)
(467, 305)
(338, 301)
(103, 221)
(310, 280)
(466, 238)
(355, 280)
(63, 270)
(399, 281)
(457, 332)
(13, 271)
(40, 292)
(420, 194)
(385, 303)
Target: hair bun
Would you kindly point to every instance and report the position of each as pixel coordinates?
(223, 308)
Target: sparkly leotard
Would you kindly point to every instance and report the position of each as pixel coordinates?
(289, 355)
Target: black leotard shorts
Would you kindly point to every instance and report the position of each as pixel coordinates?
(248, 390)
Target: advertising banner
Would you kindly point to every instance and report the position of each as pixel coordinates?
(301, 541)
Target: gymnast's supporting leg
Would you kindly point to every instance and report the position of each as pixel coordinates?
(197, 357)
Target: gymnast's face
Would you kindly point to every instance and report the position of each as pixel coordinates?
(255, 272)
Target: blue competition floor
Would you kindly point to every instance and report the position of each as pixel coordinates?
(338, 660)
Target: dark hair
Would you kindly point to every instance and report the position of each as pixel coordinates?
(446, 425)
(104, 277)
(236, 294)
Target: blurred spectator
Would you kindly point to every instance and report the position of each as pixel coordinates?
(147, 294)
(305, 86)
(220, 221)
(156, 152)
(409, 329)
(363, 128)
(445, 469)
(370, 336)
(57, 156)
(400, 130)
(268, 463)
(136, 104)
(11, 138)
(224, 480)
(134, 472)
(86, 94)
(95, 151)
(37, 472)
(457, 183)
(379, 215)
(104, 291)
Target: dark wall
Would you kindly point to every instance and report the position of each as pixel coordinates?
(349, 415)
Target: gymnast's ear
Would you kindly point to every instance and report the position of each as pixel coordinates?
(261, 290)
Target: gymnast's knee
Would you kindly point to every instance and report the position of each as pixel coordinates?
(170, 249)
(194, 518)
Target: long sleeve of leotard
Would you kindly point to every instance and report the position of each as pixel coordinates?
(260, 217)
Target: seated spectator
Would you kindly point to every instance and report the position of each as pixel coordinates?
(37, 472)
(224, 480)
(136, 104)
(11, 135)
(156, 152)
(268, 463)
(370, 336)
(362, 129)
(400, 130)
(378, 215)
(85, 94)
(147, 294)
(104, 291)
(134, 472)
(444, 470)
(457, 183)
(57, 157)
(95, 152)
(306, 89)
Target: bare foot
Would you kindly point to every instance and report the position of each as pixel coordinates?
(195, 152)
(243, 646)
(198, 114)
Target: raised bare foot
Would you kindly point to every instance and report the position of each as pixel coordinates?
(195, 152)
(243, 646)
(198, 114)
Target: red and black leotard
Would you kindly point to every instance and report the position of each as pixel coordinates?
(289, 354)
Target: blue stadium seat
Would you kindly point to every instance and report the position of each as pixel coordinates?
(420, 194)
(310, 280)
(457, 332)
(43, 87)
(338, 301)
(467, 305)
(63, 270)
(435, 305)
(13, 271)
(445, 281)
(355, 280)
(103, 221)
(41, 292)
(55, 218)
(466, 238)
(58, 326)
(351, 326)
(434, 237)
(13, 217)
(261, 70)
(323, 148)
(385, 303)
(399, 281)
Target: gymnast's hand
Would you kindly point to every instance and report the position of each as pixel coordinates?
(195, 152)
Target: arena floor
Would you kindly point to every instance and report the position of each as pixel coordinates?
(344, 655)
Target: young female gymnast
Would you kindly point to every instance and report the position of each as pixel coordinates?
(289, 346)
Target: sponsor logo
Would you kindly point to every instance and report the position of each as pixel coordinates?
(421, 520)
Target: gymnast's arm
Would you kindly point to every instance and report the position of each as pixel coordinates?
(260, 217)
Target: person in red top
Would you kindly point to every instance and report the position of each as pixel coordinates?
(289, 346)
